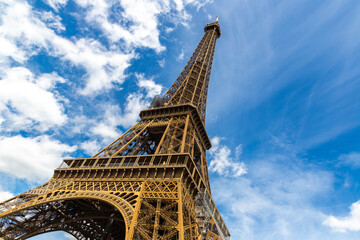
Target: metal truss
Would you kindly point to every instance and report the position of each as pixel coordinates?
(191, 85)
(141, 210)
(150, 183)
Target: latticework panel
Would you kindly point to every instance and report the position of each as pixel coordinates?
(131, 142)
(157, 136)
(135, 210)
(164, 210)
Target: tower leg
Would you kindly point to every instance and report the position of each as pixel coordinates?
(163, 211)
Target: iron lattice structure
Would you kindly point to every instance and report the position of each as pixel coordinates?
(150, 183)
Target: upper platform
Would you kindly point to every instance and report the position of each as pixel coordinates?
(212, 26)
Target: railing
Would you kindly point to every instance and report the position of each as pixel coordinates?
(125, 161)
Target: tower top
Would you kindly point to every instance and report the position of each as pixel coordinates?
(214, 25)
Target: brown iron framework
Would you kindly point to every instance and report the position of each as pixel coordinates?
(150, 183)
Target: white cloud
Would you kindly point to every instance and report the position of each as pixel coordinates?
(9, 48)
(21, 27)
(134, 104)
(106, 126)
(105, 130)
(103, 67)
(222, 162)
(150, 86)
(49, 80)
(27, 99)
(90, 147)
(79, 124)
(5, 195)
(33, 159)
(349, 223)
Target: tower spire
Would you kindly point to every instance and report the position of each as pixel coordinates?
(191, 86)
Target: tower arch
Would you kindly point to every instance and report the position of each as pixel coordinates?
(84, 215)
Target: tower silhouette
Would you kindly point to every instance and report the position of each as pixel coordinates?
(150, 183)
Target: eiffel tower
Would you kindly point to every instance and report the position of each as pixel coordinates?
(150, 183)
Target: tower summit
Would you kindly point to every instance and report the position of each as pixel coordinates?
(150, 183)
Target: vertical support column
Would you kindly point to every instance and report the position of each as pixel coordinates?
(157, 218)
(180, 210)
(134, 219)
(192, 143)
(185, 133)
(163, 136)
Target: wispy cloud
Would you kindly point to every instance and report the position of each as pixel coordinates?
(51, 20)
(350, 159)
(180, 57)
(280, 190)
(56, 4)
(285, 66)
(274, 193)
(162, 62)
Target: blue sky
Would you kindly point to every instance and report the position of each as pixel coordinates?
(283, 107)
